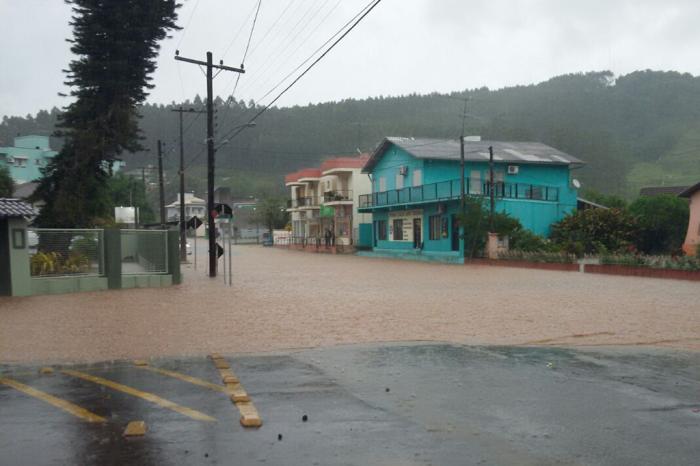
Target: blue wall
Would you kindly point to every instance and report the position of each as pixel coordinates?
(534, 215)
(34, 153)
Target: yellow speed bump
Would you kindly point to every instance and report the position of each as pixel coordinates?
(140, 362)
(46, 371)
(189, 412)
(135, 428)
(66, 406)
(249, 415)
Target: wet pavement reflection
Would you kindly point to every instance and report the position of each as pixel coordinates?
(390, 404)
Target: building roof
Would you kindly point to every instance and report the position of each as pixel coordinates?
(14, 208)
(190, 200)
(345, 162)
(690, 190)
(24, 190)
(661, 190)
(582, 203)
(475, 151)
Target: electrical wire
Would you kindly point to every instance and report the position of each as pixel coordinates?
(340, 30)
(184, 30)
(314, 63)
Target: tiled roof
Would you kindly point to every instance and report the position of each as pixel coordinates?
(345, 162)
(476, 151)
(14, 208)
(688, 192)
(661, 190)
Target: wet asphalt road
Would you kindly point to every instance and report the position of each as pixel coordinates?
(445, 405)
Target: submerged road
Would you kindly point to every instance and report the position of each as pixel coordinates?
(284, 299)
(390, 404)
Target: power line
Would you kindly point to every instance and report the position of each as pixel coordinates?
(184, 30)
(240, 29)
(292, 54)
(316, 61)
(245, 54)
(364, 10)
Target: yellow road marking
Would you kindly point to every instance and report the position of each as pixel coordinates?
(67, 406)
(194, 414)
(187, 378)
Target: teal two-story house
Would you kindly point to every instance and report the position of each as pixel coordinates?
(416, 183)
(27, 157)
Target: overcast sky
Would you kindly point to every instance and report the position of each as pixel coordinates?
(403, 46)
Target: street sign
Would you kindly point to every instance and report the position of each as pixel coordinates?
(219, 251)
(194, 223)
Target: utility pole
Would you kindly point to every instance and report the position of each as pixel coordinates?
(210, 148)
(183, 220)
(160, 185)
(491, 190)
(461, 174)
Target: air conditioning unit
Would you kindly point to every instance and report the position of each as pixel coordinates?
(403, 170)
(513, 169)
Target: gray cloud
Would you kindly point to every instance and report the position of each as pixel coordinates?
(403, 46)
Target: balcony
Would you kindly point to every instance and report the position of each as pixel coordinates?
(337, 197)
(449, 190)
(303, 203)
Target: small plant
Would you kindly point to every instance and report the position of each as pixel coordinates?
(54, 263)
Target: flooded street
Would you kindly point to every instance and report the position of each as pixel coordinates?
(286, 299)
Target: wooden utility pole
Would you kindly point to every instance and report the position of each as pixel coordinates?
(160, 185)
(491, 190)
(210, 149)
(461, 175)
(183, 220)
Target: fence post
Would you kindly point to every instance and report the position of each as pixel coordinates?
(113, 257)
(173, 252)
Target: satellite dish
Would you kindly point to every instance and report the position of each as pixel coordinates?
(576, 183)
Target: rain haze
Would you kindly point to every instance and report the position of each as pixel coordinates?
(402, 47)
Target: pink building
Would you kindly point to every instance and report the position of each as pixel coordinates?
(692, 239)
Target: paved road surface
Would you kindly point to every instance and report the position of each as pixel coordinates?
(445, 405)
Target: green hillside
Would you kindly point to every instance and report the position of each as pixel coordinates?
(634, 130)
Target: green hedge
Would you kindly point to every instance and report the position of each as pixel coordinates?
(654, 262)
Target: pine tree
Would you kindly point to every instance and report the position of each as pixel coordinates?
(116, 44)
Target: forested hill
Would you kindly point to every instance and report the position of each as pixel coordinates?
(634, 130)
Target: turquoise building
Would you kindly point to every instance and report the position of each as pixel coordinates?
(416, 190)
(27, 157)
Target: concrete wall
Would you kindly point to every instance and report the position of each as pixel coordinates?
(18, 282)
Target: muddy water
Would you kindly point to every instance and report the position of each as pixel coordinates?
(286, 299)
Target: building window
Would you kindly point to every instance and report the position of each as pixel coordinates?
(435, 227)
(417, 177)
(381, 230)
(398, 229)
(382, 184)
(475, 182)
(399, 181)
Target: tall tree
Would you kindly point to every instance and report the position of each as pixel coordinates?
(116, 44)
(7, 184)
